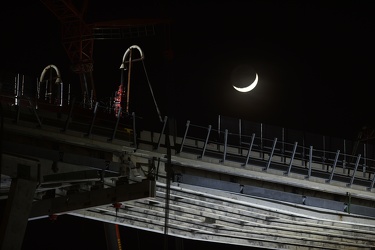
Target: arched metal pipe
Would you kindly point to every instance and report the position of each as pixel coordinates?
(127, 58)
(126, 54)
(58, 77)
(58, 80)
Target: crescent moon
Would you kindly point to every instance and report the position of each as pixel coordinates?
(248, 88)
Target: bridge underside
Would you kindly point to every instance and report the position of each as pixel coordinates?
(232, 218)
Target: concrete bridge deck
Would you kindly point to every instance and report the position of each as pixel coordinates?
(254, 204)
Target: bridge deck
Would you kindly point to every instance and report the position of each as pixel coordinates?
(210, 198)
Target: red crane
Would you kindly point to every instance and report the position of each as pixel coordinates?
(78, 37)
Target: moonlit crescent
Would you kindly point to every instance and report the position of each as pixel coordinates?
(248, 88)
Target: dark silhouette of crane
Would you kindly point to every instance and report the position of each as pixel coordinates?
(78, 36)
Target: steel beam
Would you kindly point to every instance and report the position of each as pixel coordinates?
(93, 198)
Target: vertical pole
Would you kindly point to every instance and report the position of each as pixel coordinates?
(16, 91)
(261, 141)
(168, 167)
(303, 152)
(128, 89)
(364, 160)
(23, 85)
(112, 235)
(324, 152)
(344, 160)
(283, 158)
(310, 163)
(46, 93)
(218, 132)
(93, 119)
(372, 184)
(134, 132)
(37, 90)
(17, 101)
(119, 245)
(240, 136)
(61, 94)
(225, 145)
(68, 94)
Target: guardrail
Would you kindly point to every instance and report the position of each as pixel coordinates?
(279, 154)
(268, 146)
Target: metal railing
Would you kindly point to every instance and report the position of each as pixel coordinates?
(280, 154)
(270, 147)
(96, 121)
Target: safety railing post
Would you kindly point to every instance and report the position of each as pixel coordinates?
(291, 159)
(162, 131)
(184, 138)
(68, 119)
(354, 172)
(116, 125)
(206, 142)
(93, 119)
(333, 167)
(372, 184)
(225, 146)
(310, 163)
(249, 150)
(18, 111)
(35, 113)
(271, 155)
(134, 132)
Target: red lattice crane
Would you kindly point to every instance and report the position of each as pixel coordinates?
(78, 36)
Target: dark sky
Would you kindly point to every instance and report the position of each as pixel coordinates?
(314, 58)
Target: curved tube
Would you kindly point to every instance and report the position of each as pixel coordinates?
(58, 81)
(58, 78)
(127, 53)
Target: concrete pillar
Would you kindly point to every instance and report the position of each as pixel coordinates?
(16, 214)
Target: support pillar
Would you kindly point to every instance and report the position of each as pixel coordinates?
(14, 220)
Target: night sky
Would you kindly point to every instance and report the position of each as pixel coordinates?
(314, 58)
